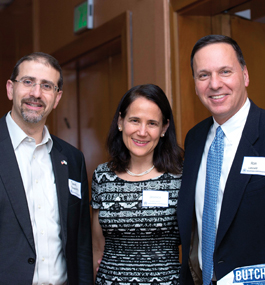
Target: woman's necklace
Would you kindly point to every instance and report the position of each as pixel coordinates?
(140, 174)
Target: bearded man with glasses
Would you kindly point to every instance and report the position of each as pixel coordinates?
(45, 235)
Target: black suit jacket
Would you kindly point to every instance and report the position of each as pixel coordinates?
(240, 239)
(17, 249)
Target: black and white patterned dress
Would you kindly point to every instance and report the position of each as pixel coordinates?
(141, 243)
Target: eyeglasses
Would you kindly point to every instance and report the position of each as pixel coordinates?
(47, 87)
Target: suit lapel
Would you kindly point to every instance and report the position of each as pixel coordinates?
(236, 182)
(194, 149)
(61, 179)
(194, 152)
(11, 178)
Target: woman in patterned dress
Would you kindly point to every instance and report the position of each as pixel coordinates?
(134, 195)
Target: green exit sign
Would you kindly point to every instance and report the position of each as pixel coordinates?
(83, 16)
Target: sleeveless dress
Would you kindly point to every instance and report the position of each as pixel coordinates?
(141, 243)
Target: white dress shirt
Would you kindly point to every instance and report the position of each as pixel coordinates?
(232, 129)
(36, 170)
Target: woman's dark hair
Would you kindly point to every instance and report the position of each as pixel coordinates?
(214, 39)
(168, 156)
(38, 56)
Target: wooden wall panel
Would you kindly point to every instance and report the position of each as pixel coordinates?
(65, 123)
(117, 85)
(175, 72)
(100, 92)
(191, 29)
(251, 38)
(249, 35)
(94, 123)
(204, 7)
(48, 27)
(15, 42)
(180, 4)
(95, 78)
(148, 31)
(221, 25)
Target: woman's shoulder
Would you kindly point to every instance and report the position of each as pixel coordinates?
(173, 176)
(171, 179)
(103, 173)
(102, 167)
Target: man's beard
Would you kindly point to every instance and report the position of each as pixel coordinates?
(32, 116)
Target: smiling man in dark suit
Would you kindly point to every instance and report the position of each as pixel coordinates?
(45, 233)
(221, 202)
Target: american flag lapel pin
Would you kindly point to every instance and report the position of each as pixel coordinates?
(63, 162)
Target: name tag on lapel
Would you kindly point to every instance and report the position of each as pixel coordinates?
(75, 188)
(153, 198)
(253, 165)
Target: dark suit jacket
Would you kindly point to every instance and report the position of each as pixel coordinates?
(240, 237)
(17, 249)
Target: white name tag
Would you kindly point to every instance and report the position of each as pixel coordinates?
(75, 188)
(253, 165)
(153, 198)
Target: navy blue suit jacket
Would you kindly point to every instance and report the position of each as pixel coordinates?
(17, 249)
(240, 239)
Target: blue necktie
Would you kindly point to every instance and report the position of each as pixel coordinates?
(213, 173)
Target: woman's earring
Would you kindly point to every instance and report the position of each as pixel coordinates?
(119, 128)
(162, 135)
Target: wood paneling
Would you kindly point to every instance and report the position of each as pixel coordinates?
(204, 7)
(94, 113)
(101, 89)
(221, 25)
(16, 41)
(188, 30)
(95, 38)
(175, 74)
(66, 120)
(187, 107)
(251, 38)
(97, 71)
(191, 29)
(149, 21)
(257, 9)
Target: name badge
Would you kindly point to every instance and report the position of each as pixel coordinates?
(253, 165)
(254, 274)
(75, 188)
(153, 198)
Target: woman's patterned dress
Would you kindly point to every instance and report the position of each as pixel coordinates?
(141, 243)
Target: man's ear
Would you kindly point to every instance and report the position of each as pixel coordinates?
(9, 89)
(246, 76)
(58, 98)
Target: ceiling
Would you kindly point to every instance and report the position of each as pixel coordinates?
(253, 10)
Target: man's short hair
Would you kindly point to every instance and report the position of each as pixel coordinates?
(213, 39)
(37, 56)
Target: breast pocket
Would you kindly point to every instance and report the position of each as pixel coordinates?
(256, 185)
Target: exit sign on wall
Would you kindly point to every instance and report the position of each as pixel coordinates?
(83, 16)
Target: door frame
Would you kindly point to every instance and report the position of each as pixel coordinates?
(187, 108)
(119, 27)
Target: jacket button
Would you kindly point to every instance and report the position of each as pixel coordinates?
(31, 260)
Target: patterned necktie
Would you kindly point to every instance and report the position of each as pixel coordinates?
(213, 173)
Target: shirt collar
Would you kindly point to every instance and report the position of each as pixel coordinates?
(17, 135)
(236, 123)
